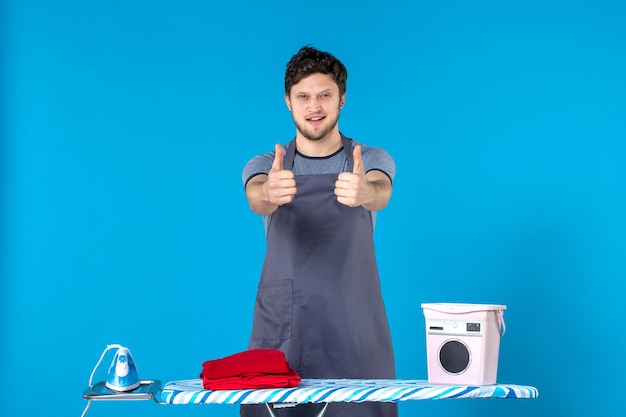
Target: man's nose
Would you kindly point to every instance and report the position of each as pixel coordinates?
(314, 104)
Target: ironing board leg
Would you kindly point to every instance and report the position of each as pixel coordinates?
(270, 410)
(322, 411)
(272, 414)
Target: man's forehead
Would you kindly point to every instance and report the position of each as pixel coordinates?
(315, 83)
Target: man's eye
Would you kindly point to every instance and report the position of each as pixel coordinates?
(302, 96)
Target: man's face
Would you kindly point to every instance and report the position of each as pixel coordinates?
(315, 104)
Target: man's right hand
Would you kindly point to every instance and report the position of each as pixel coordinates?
(280, 187)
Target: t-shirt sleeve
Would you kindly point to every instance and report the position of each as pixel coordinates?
(260, 164)
(378, 159)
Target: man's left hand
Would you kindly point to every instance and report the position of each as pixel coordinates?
(352, 188)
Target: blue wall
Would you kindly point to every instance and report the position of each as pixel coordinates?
(125, 125)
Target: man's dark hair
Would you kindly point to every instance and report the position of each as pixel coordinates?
(310, 61)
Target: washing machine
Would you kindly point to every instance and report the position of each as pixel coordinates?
(463, 342)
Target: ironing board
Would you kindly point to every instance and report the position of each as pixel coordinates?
(337, 390)
(320, 391)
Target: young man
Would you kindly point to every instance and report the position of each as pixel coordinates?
(319, 297)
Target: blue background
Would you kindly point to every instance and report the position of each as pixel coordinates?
(125, 126)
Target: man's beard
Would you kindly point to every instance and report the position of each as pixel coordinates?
(310, 134)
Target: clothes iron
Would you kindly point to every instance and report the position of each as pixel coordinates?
(123, 375)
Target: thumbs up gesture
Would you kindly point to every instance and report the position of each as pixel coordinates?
(352, 188)
(280, 186)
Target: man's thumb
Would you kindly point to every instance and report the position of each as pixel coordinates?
(279, 155)
(358, 167)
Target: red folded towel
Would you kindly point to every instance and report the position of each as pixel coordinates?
(255, 368)
(290, 379)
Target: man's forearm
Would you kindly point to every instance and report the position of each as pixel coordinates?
(381, 195)
(257, 196)
(381, 191)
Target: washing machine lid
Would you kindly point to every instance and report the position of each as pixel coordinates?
(454, 308)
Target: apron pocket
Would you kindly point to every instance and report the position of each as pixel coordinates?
(273, 311)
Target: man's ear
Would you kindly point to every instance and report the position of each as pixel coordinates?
(288, 101)
(342, 100)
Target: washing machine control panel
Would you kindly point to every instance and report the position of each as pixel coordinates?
(454, 327)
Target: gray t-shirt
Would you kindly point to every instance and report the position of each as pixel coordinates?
(373, 159)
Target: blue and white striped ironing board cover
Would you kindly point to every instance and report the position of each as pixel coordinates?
(337, 390)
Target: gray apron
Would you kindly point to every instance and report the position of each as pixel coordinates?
(319, 297)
